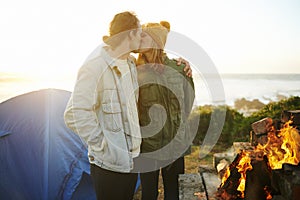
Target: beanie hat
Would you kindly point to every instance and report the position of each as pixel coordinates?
(158, 32)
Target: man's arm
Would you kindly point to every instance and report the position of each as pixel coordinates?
(80, 114)
(187, 67)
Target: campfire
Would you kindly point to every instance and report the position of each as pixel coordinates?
(282, 147)
(269, 166)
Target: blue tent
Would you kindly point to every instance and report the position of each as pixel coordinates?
(40, 158)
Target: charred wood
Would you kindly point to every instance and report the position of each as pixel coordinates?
(258, 180)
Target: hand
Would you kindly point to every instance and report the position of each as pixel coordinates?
(187, 68)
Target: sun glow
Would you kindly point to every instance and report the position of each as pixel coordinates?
(17, 83)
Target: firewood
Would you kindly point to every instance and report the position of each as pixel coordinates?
(262, 126)
(257, 180)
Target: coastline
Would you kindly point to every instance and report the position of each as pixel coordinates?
(243, 92)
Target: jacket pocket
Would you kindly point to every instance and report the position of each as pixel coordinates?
(112, 116)
(98, 143)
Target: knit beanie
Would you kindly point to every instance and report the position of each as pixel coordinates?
(158, 32)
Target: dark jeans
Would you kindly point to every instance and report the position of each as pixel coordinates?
(111, 185)
(149, 181)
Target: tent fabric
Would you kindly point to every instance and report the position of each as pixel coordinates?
(40, 158)
(4, 133)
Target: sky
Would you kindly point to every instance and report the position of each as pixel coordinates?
(51, 39)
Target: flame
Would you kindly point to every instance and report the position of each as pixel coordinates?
(283, 147)
(243, 166)
(225, 176)
(225, 196)
(268, 193)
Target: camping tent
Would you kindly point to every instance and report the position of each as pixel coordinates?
(40, 158)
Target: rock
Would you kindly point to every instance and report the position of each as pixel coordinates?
(190, 187)
(228, 155)
(222, 168)
(211, 182)
(238, 146)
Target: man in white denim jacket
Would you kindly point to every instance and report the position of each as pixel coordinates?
(102, 110)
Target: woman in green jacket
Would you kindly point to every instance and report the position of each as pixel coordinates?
(166, 97)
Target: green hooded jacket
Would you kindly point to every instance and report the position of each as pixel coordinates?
(165, 102)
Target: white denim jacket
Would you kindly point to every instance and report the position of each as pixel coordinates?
(95, 112)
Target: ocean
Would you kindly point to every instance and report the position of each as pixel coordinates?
(263, 87)
(209, 90)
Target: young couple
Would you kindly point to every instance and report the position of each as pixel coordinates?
(132, 113)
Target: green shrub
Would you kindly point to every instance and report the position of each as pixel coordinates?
(272, 110)
(232, 118)
(236, 126)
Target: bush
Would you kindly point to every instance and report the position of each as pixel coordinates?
(272, 110)
(236, 126)
(232, 118)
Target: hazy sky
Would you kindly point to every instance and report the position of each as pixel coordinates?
(53, 38)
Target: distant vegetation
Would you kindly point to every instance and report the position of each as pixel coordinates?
(237, 126)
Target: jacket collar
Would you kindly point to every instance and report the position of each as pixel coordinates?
(110, 60)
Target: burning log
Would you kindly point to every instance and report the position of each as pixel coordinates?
(258, 180)
(258, 139)
(269, 168)
(261, 128)
(228, 190)
(248, 177)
